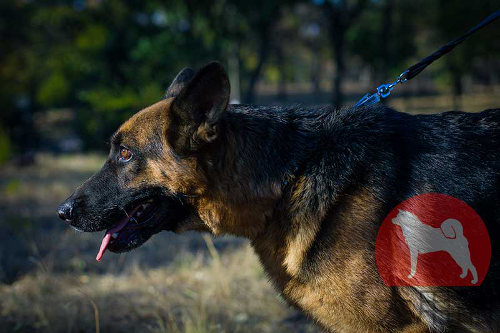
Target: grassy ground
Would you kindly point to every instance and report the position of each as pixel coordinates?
(52, 283)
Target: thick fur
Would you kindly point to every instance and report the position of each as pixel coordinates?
(310, 187)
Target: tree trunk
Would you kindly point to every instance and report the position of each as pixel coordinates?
(456, 84)
(234, 73)
(385, 39)
(254, 76)
(457, 90)
(340, 17)
(316, 75)
(338, 40)
(280, 58)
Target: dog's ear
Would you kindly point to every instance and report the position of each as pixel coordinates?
(180, 81)
(197, 109)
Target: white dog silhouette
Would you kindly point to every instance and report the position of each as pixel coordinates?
(422, 238)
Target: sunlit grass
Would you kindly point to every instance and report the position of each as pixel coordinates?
(226, 294)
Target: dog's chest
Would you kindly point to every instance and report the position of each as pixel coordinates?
(342, 306)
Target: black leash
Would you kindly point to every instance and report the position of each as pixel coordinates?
(384, 90)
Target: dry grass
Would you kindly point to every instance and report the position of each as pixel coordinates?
(229, 294)
(471, 102)
(189, 283)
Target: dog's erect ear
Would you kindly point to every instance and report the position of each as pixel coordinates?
(180, 81)
(197, 109)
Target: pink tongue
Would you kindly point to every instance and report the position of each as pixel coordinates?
(107, 236)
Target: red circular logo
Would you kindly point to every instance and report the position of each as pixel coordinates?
(433, 240)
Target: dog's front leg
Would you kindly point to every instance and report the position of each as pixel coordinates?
(413, 257)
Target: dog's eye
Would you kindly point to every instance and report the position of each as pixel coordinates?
(125, 154)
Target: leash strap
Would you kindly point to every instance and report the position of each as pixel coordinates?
(384, 90)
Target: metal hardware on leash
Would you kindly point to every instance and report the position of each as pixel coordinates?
(384, 90)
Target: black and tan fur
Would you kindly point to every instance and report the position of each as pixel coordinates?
(309, 188)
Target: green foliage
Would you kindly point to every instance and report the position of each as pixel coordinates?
(106, 108)
(107, 59)
(105, 101)
(450, 19)
(93, 38)
(54, 90)
(385, 46)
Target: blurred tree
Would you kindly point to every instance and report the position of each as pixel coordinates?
(19, 73)
(340, 15)
(384, 37)
(104, 60)
(286, 50)
(262, 17)
(450, 20)
(243, 24)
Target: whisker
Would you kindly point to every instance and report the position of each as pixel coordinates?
(188, 195)
(122, 208)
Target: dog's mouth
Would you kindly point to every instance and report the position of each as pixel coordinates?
(140, 222)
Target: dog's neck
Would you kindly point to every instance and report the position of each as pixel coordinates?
(256, 158)
(265, 149)
(262, 162)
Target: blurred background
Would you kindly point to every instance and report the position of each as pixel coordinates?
(72, 71)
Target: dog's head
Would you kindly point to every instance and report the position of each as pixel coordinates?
(152, 169)
(404, 218)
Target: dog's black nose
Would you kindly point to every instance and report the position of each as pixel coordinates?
(65, 210)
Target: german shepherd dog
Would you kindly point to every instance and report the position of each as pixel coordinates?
(309, 187)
